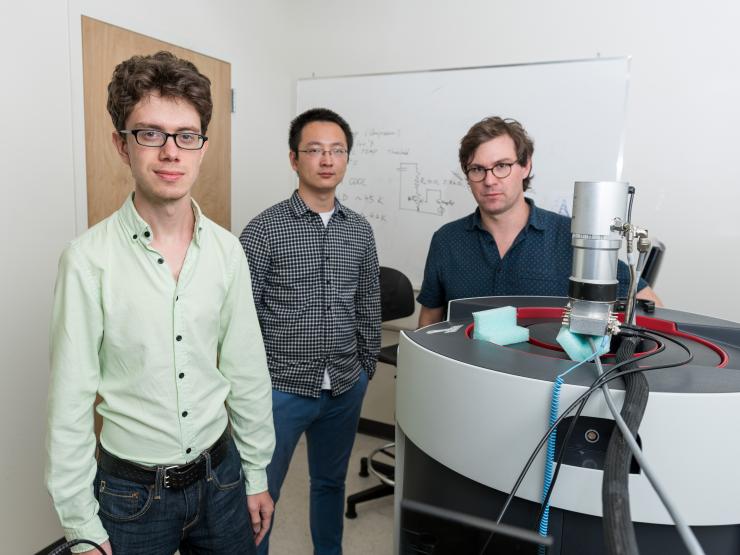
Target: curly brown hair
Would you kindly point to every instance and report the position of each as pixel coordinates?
(490, 128)
(162, 73)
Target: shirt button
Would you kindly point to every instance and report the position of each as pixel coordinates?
(136, 236)
(188, 450)
(179, 338)
(160, 260)
(181, 375)
(184, 413)
(147, 234)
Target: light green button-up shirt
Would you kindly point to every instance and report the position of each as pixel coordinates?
(172, 361)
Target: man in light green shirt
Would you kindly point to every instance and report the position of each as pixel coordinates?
(153, 310)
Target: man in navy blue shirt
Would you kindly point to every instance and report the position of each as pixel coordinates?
(508, 246)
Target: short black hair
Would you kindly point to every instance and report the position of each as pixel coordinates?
(317, 114)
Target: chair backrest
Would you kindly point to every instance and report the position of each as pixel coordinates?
(653, 262)
(396, 294)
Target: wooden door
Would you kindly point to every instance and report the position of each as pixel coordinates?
(104, 46)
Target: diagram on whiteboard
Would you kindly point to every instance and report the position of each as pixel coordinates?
(418, 193)
(383, 168)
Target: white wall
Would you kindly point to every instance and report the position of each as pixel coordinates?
(43, 188)
(37, 219)
(683, 114)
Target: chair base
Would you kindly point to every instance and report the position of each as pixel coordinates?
(381, 490)
(386, 472)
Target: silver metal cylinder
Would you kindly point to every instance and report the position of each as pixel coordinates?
(599, 213)
(595, 261)
(597, 207)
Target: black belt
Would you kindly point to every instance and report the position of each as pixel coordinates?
(173, 477)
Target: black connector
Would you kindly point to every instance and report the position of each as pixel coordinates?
(645, 305)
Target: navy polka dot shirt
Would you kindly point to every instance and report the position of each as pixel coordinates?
(464, 261)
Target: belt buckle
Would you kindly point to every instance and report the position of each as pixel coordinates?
(166, 478)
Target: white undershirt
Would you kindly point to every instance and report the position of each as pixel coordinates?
(325, 216)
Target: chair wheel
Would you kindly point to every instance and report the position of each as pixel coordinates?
(363, 468)
(351, 512)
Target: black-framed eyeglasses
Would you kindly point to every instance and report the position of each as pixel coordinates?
(316, 152)
(476, 174)
(157, 139)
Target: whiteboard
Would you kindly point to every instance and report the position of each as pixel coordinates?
(403, 173)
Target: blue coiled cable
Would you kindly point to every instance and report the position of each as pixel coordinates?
(554, 410)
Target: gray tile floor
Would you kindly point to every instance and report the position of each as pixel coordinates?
(371, 533)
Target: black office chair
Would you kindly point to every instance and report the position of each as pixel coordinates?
(653, 262)
(396, 301)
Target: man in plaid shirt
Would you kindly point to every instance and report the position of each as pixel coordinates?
(315, 280)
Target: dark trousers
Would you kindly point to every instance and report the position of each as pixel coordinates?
(208, 517)
(330, 425)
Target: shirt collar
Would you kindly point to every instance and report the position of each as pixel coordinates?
(139, 230)
(300, 208)
(536, 219)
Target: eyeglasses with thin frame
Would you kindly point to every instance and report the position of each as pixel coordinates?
(476, 174)
(157, 139)
(316, 152)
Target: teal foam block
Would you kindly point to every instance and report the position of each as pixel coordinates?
(498, 325)
(576, 345)
(508, 336)
(489, 321)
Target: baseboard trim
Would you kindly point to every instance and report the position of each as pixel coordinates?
(377, 429)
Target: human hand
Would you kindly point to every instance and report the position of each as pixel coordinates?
(94, 551)
(260, 507)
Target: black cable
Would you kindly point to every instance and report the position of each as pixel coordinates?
(558, 463)
(65, 546)
(561, 452)
(607, 376)
(682, 527)
(604, 378)
(619, 531)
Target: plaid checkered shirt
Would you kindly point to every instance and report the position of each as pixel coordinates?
(317, 293)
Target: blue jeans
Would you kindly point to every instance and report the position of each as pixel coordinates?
(330, 424)
(209, 516)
